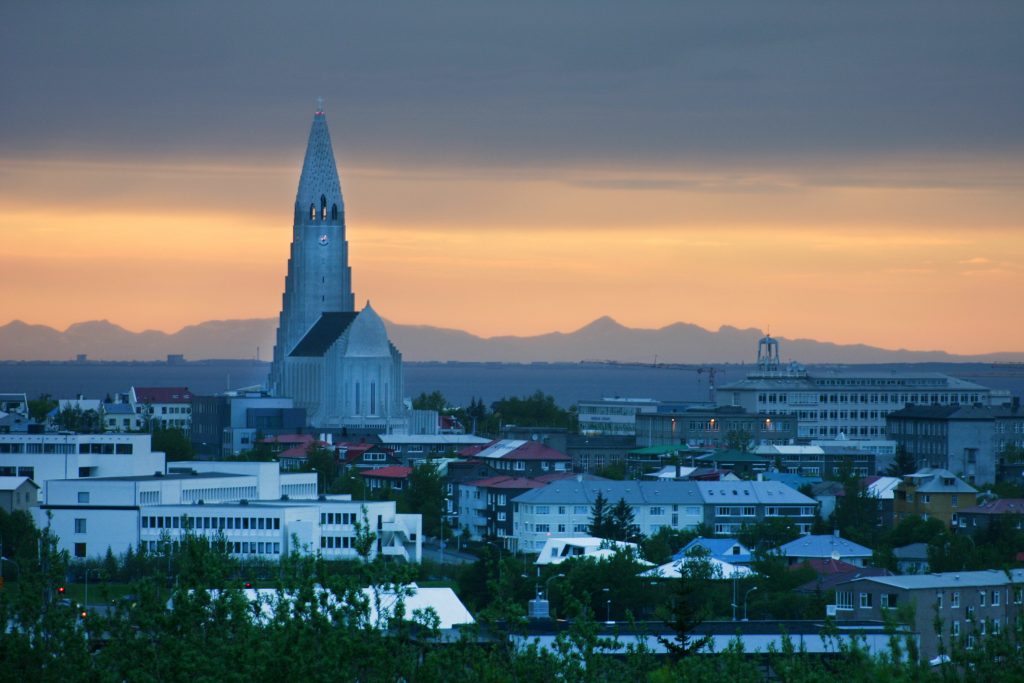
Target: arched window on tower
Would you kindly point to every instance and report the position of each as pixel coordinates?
(323, 207)
(334, 212)
(312, 212)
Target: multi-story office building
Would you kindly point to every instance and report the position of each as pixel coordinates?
(850, 403)
(612, 416)
(952, 607)
(966, 440)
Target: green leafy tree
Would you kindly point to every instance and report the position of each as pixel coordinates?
(425, 495)
(74, 419)
(39, 408)
(738, 440)
(324, 461)
(435, 400)
(173, 442)
(536, 410)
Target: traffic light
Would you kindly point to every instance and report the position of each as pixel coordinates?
(248, 584)
(60, 590)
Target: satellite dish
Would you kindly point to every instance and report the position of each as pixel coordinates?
(835, 555)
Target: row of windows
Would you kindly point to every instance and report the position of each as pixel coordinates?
(337, 542)
(337, 518)
(218, 493)
(47, 448)
(244, 523)
(234, 547)
(29, 472)
(870, 397)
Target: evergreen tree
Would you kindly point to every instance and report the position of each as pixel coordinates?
(600, 518)
(622, 522)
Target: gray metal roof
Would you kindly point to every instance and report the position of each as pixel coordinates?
(823, 546)
(766, 492)
(985, 577)
(574, 492)
(937, 480)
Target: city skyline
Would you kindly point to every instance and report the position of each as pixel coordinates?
(848, 176)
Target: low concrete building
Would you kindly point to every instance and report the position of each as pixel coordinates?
(18, 493)
(947, 607)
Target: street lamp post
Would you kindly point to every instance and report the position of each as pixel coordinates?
(608, 605)
(547, 584)
(87, 572)
(745, 595)
(440, 542)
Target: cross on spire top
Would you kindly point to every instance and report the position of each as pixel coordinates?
(319, 105)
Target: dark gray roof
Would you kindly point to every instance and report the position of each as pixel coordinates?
(322, 334)
(167, 477)
(950, 412)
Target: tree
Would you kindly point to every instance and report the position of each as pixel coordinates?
(39, 408)
(324, 462)
(689, 609)
(904, 463)
(173, 442)
(435, 400)
(536, 410)
(738, 440)
(74, 419)
(425, 495)
(600, 518)
(623, 522)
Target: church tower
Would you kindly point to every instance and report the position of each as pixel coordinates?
(334, 362)
(319, 279)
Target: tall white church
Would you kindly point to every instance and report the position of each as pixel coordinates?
(335, 362)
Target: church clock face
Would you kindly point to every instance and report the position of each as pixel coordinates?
(324, 240)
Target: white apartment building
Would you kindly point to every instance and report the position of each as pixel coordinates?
(91, 515)
(43, 457)
(563, 508)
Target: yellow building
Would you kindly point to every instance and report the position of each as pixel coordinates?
(933, 493)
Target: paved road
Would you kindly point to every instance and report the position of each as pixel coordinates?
(432, 553)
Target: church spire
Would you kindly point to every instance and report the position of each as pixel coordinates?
(318, 199)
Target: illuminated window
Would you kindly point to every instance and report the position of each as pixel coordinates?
(312, 212)
(323, 207)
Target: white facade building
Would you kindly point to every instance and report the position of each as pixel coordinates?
(91, 515)
(853, 404)
(563, 508)
(43, 457)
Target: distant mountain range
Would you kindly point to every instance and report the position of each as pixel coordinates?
(603, 339)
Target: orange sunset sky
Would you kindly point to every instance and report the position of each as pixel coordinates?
(851, 179)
